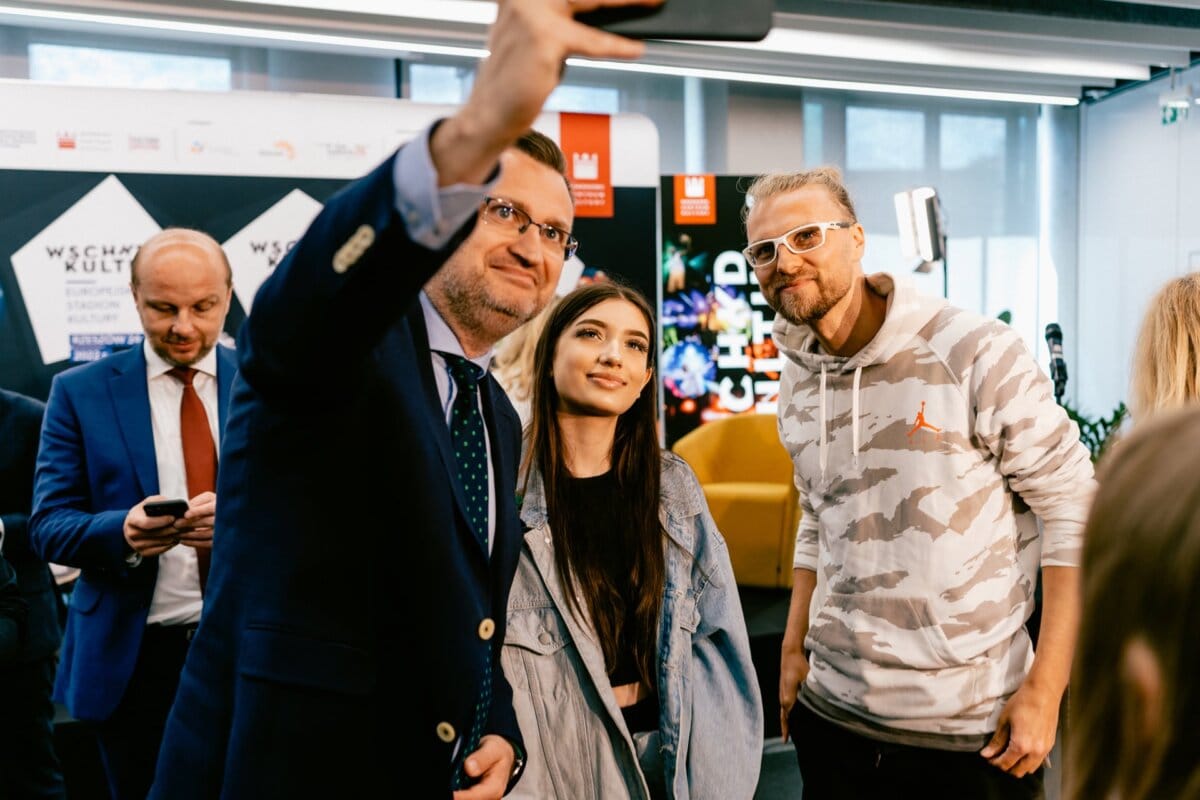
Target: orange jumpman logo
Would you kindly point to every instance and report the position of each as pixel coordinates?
(921, 423)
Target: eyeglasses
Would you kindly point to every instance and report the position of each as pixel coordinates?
(503, 214)
(761, 254)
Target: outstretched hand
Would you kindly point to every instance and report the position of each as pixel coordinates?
(528, 44)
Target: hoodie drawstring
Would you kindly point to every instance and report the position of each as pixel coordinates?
(856, 434)
(854, 412)
(822, 458)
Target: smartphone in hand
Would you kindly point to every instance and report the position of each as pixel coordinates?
(166, 508)
(724, 20)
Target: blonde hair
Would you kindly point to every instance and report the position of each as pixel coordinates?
(1166, 367)
(829, 177)
(512, 360)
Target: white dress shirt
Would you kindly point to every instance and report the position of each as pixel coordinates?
(176, 599)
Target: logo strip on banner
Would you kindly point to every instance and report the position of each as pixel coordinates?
(695, 200)
(586, 141)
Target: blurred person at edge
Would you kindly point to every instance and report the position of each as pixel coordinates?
(29, 766)
(1166, 364)
(1135, 696)
(368, 530)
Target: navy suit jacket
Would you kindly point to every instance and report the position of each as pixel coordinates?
(96, 461)
(345, 631)
(20, 426)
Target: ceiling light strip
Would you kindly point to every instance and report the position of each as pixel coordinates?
(241, 33)
(384, 45)
(822, 83)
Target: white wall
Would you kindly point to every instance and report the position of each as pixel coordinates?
(1139, 227)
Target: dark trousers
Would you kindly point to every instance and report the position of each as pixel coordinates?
(29, 767)
(836, 764)
(130, 738)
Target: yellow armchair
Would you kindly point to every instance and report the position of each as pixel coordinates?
(746, 475)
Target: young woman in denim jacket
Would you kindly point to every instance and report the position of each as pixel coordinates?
(626, 647)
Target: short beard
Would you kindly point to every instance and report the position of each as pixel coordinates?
(796, 312)
(478, 312)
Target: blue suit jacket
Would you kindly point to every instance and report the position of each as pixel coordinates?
(345, 624)
(96, 461)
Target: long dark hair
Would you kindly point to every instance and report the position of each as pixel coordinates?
(636, 465)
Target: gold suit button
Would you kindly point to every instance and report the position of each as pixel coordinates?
(445, 732)
(486, 629)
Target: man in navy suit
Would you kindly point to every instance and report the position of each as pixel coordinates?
(352, 635)
(113, 438)
(28, 765)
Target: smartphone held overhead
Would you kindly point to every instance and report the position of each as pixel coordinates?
(725, 20)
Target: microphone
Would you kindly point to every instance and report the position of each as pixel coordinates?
(1058, 365)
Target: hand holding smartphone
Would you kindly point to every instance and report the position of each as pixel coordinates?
(724, 20)
(165, 508)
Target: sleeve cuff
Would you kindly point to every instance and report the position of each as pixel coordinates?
(432, 215)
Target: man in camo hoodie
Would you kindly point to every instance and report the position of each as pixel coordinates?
(938, 475)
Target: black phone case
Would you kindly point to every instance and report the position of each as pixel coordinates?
(715, 20)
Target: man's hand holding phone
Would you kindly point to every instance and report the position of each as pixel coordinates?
(196, 526)
(150, 525)
(157, 524)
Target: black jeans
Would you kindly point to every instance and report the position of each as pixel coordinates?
(836, 764)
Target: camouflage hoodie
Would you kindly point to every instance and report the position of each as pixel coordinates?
(925, 461)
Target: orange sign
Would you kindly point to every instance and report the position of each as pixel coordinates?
(695, 200)
(586, 142)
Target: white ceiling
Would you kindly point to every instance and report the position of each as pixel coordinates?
(884, 43)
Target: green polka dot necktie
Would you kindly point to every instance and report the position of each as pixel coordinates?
(470, 453)
(470, 448)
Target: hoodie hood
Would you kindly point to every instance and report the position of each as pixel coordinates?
(907, 313)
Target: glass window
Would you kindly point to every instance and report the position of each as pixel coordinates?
(438, 83)
(585, 99)
(94, 66)
(884, 139)
(969, 140)
(814, 134)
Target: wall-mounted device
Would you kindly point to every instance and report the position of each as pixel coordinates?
(922, 229)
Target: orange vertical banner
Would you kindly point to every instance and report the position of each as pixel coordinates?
(695, 200)
(586, 141)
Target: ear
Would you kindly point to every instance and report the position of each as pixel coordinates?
(859, 236)
(1141, 672)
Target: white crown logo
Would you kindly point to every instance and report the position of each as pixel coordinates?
(586, 166)
(693, 186)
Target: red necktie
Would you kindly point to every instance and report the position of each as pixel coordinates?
(199, 452)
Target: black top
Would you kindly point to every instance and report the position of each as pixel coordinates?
(597, 520)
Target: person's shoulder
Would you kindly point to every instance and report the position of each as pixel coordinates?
(21, 404)
(961, 337)
(88, 375)
(675, 467)
(680, 487)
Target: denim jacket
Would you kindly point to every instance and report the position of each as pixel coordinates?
(709, 742)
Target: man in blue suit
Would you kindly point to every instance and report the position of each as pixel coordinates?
(350, 646)
(28, 765)
(115, 436)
